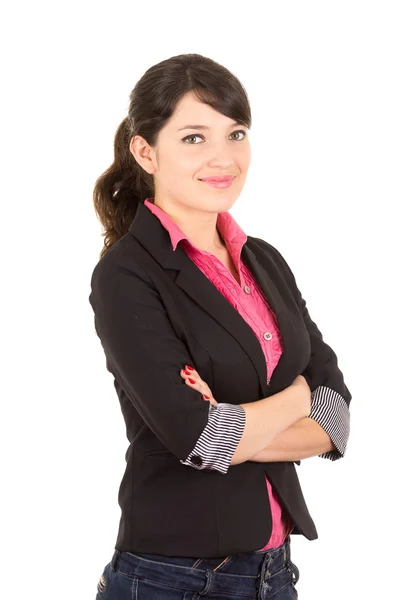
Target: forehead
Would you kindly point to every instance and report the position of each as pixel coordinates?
(189, 111)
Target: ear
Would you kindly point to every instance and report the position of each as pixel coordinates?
(143, 153)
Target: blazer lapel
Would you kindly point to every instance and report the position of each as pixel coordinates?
(260, 266)
(152, 235)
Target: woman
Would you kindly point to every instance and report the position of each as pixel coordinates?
(223, 378)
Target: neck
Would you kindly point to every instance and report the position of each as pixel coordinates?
(198, 226)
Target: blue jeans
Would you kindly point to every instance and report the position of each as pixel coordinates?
(252, 575)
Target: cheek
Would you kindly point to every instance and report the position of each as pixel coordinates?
(245, 159)
(175, 169)
(181, 163)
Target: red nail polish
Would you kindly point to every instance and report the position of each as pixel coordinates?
(206, 397)
(191, 380)
(188, 367)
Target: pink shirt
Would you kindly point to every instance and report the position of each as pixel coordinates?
(248, 300)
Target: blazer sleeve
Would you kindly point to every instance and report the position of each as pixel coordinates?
(330, 410)
(330, 395)
(145, 355)
(218, 442)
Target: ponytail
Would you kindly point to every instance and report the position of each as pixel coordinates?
(120, 189)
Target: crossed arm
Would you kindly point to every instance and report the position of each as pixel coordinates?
(325, 432)
(303, 439)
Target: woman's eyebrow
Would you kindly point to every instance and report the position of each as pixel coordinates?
(202, 126)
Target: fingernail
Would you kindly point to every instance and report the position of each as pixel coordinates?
(191, 380)
(188, 367)
(206, 396)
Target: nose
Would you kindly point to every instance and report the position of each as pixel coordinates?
(221, 155)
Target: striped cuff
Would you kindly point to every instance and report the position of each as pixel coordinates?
(220, 438)
(330, 410)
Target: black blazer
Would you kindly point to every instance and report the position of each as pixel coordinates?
(155, 311)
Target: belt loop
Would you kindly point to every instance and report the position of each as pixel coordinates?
(287, 545)
(115, 556)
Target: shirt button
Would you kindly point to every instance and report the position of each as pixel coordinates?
(247, 289)
(267, 335)
(197, 460)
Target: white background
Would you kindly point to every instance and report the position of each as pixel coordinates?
(321, 78)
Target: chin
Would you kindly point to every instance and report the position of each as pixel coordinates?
(220, 204)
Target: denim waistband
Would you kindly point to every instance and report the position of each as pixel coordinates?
(220, 575)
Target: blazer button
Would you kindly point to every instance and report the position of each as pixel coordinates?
(197, 460)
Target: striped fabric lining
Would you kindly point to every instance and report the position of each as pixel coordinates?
(226, 423)
(220, 438)
(330, 410)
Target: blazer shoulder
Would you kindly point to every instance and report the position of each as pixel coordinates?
(263, 244)
(118, 262)
(271, 251)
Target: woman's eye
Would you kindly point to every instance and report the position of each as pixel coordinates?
(196, 135)
(240, 131)
(189, 137)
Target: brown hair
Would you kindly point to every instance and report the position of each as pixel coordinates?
(125, 184)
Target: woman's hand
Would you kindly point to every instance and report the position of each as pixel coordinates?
(193, 380)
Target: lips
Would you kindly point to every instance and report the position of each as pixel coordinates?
(219, 179)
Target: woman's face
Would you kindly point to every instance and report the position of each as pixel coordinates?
(185, 154)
